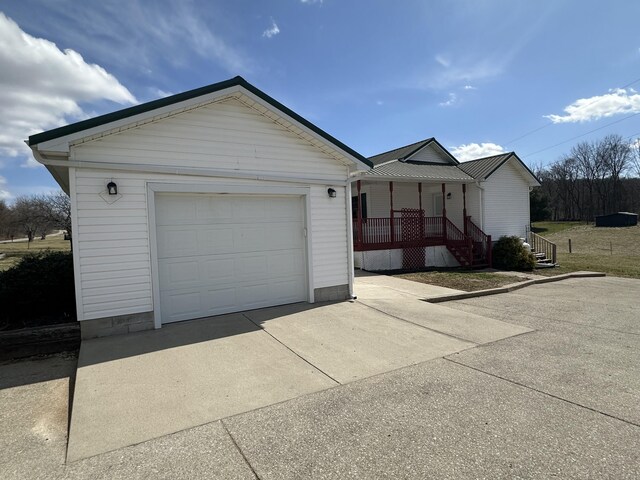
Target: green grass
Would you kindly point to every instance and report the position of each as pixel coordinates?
(14, 251)
(466, 281)
(549, 228)
(614, 251)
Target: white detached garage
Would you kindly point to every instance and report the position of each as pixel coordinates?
(212, 201)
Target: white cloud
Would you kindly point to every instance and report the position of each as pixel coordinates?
(617, 101)
(471, 151)
(452, 100)
(271, 31)
(310, 2)
(42, 87)
(469, 87)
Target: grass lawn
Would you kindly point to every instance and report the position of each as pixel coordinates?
(14, 251)
(615, 251)
(549, 228)
(466, 281)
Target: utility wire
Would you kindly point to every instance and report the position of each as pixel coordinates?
(531, 132)
(581, 135)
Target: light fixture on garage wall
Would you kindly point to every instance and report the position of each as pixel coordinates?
(110, 193)
(449, 196)
(112, 188)
(331, 192)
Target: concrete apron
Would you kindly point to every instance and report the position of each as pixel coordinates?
(140, 386)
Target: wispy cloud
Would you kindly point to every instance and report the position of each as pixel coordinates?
(451, 100)
(442, 60)
(471, 151)
(140, 36)
(469, 87)
(42, 87)
(272, 31)
(616, 102)
(310, 2)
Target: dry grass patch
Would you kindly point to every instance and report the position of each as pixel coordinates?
(615, 251)
(466, 281)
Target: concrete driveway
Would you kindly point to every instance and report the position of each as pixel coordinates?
(558, 402)
(134, 388)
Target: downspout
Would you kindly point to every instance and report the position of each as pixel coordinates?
(481, 198)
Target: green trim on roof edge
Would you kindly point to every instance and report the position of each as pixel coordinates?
(188, 95)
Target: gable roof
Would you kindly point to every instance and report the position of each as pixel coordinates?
(483, 168)
(237, 81)
(397, 163)
(405, 153)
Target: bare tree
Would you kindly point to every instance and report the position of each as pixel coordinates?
(27, 217)
(55, 210)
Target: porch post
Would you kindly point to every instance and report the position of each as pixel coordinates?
(391, 223)
(464, 206)
(359, 219)
(420, 195)
(444, 211)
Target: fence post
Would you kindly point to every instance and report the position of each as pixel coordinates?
(569, 245)
(553, 249)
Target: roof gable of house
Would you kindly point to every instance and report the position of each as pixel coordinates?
(60, 138)
(482, 168)
(425, 151)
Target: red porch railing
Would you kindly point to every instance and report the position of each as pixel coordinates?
(383, 233)
(481, 241)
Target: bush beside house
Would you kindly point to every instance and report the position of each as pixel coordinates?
(38, 291)
(510, 254)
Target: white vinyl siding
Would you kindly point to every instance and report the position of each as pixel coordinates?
(114, 239)
(506, 199)
(431, 154)
(223, 136)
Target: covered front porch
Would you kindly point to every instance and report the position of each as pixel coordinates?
(412, 225)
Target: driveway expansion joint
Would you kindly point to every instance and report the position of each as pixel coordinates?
(292, 351)
(513, 382)
(235, 444)
(473, 344)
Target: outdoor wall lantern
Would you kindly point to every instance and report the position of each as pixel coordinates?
(332, 193)
(449, 196)
(112, 188)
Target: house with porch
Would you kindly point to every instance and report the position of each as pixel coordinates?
(418, 206)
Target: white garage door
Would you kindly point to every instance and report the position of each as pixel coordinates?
(227, 253)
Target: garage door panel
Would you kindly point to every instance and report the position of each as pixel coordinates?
(223, 253)
(181, 305)
(284, 264)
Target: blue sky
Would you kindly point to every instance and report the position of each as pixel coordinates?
(479, 75)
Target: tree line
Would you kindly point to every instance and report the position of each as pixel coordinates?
(594, 178)
(35, 216)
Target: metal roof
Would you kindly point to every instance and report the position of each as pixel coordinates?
(180, 97)
(417, 170)
(399, 153)
(482, 168)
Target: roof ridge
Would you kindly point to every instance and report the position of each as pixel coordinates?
(490, 156)
(426, 140)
